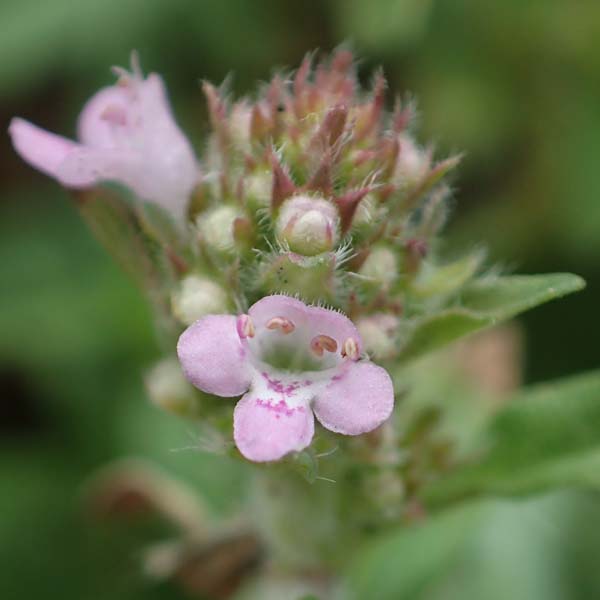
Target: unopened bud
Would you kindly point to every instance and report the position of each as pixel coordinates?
(366, 212)
(309, 225)
(216, 228)
(196, 297)
(378, 333)
(169, 389)
(239, 124)
(258, 188)
(381, 266)
(413, 163)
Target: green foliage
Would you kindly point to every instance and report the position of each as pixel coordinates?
(518, 93)
(401, 564)
(492, 550)
(485, 303)
(76, 334)
(547, 437)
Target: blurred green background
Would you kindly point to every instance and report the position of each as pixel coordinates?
(515, 85)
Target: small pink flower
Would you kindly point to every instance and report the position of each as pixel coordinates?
(289, 360)
(127, 134)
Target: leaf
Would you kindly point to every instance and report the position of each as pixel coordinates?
(505, 297)
(445, 279)
(435, 332)
(400, 565)
(547, 437)
(484, 303)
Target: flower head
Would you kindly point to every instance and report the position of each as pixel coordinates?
(127, 134)
(289, 360)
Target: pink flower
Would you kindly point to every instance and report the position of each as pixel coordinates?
(127, 134)
(289, 360)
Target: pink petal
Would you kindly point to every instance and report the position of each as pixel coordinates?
(212, 356)
(41, 149)
(87, 166)
(135, 119)
(96, 125)
(313, 320)
(266, 429)
(358, 399)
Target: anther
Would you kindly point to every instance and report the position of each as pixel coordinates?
(245, 327)
(350, 349)
(284, 325)
(320, 343)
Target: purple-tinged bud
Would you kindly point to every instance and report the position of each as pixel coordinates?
(412, 165)
(217, 111)
(333, 126)
(240, 121)
(322, 180)
(309, 225)
(282, 185)
(416, 251)
(347, 205)
(261, 122)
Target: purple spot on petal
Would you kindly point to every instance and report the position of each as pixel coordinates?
(278, 386)
(281, 408)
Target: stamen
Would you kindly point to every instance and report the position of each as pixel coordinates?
(350, 349)
(245, 327)
(284, 325)
(320, 343)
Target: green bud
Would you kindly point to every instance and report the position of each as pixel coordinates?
(169, 389)
(381, 266)
(216, 228)
(257, 189)
(378, 333)
(198, 296)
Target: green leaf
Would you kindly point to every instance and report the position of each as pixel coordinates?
(484, 303)
(434, 280)
(400, 565)
(547, 437)
(504, 297)
(438, 330)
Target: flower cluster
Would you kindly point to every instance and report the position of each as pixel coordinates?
(312, 191)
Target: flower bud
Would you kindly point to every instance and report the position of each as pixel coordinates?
(378, 333)
(169, 389)
(381, 266)
(308, 224)
(412, 164)
(257, 189)
(239, 124)
(365, 212)
(197, 297)
(216, 228)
